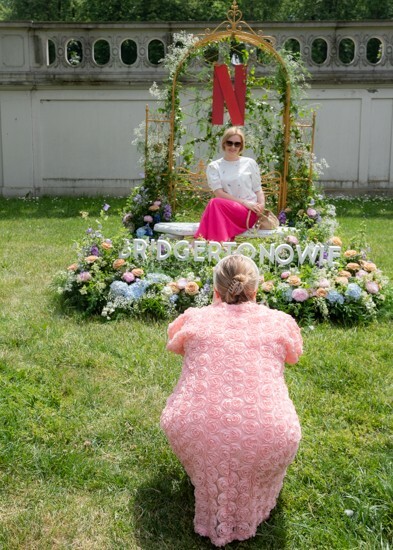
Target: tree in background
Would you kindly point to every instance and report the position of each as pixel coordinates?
(193, 10)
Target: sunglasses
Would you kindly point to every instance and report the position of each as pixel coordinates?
(233, 143)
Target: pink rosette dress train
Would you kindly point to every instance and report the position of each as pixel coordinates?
(230, 420)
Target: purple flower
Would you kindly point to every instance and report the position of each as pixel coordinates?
(299, 294)
(148, 219)
(282, 217)
(94, 250)
(128, 277)
(312, 202)
(83, 277)
(106, 207)
(167, 214)
(311, 213)
(89, 230)
(372, 287)
(138, 198)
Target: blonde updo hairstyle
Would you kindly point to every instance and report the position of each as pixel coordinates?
(233, 131)
(236, 279)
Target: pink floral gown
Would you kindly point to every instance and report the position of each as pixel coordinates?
(230, 420)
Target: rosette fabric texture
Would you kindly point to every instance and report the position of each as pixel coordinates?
(230, 420)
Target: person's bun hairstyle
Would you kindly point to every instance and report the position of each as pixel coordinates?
(236, 279)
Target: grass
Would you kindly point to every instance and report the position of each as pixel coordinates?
(83, 463)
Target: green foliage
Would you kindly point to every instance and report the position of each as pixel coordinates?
(193, 10)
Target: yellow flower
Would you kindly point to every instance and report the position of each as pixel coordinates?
(353, 266)
(350, 253)
(342, 280)
(117, 264)
(191, 288)
(173, 286)
(137, 271)
(294, 280)
(267, 286)
(321, 292)
(344, 273)
(368, 266)
(336, 241)
(106, 246)
(91, 259)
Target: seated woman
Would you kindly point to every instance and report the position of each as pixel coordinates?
(236, 183)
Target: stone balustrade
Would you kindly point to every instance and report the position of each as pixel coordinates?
(128, 54)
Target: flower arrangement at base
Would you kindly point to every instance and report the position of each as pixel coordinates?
(104, 281)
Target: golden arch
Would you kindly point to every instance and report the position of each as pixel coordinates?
(237, 29)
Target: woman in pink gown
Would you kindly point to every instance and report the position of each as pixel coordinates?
(230, 420)
(236, 184)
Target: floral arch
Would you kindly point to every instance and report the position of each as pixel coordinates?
(237, 31)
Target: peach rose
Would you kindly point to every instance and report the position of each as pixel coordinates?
(321, 292)
(336, 241)
(173, 286)
(106, 246)
(344, 273)
(191, 288)
(117, 264)
(267, 286)
(72, 267)
(350, 253)
(341, 280)
(154, 208)
(294, 280)
(368, 266)
(91, 259)
(353, 266)
(137, 271)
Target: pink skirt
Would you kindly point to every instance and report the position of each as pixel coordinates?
(223, 219)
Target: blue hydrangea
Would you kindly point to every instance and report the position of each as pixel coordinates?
(118, 288)
(174, 298)
(157, 278)
(136, 290)
(335, 297)
(140, 232)
(287, 295)
(353, 291)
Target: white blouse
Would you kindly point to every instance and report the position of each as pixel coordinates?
(240, 178)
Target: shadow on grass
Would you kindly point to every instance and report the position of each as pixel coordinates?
(164, 513)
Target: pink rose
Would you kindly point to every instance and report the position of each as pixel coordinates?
(148, 219)
(83, 277)
(285, 274)
(182, 283)
(311, 213)
(372, 287)
(323, 283)
(291, 239)
(128, 277)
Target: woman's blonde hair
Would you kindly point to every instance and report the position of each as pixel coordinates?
(233, 131)
(236, 279)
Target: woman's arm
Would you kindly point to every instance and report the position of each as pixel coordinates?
(256, 207)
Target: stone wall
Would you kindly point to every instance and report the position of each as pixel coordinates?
(71, 95)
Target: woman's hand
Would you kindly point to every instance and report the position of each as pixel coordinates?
(254, 207)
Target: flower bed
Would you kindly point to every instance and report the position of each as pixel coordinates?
(105, 281)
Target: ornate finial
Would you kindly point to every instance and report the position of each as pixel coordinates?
(234, 24)
(234, 15)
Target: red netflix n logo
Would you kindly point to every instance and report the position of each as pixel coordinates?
(234, 96)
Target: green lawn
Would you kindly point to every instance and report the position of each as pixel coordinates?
(83, 463)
